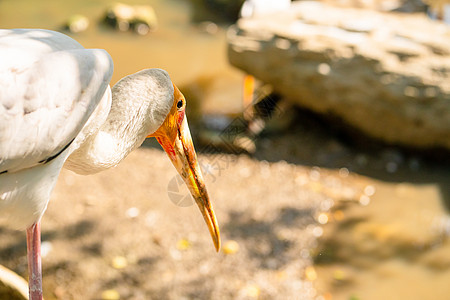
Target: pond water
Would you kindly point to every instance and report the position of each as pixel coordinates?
(183, 49)
(392, 245)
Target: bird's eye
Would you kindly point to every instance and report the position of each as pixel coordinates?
(180, 104)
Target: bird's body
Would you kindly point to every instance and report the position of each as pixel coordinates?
(42, 111)
(56, 108)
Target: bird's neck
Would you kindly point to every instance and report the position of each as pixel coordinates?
(106, 149)
(135, 113)
(110, 142)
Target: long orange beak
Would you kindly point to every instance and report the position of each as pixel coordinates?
(182, 154)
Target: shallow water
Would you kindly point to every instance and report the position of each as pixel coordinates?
(179, 47)
(396, 247)
(393, 242)
(392, 245)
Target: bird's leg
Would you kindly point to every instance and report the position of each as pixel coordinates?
(34, 261)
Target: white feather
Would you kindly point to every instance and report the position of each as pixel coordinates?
(140, 104)
(55, 93)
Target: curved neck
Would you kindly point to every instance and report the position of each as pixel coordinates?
(109, 144)
(139, 105)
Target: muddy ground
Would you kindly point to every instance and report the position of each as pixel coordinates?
(119, 234)
(313, 214)
(298, 219)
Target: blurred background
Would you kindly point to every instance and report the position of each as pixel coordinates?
(323, 131)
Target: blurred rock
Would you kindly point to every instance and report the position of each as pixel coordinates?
(382, 5)
(77, 23)
(253, 8)
(216, 10)
(231, 247)
(208, 27)
(386, 74)
(140, 18)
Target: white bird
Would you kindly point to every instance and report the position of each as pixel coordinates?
(57, 108)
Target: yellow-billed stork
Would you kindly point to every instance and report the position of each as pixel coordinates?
(57, 108)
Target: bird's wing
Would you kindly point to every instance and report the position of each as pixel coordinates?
(49, 86)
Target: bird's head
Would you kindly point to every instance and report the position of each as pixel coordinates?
(175, 138)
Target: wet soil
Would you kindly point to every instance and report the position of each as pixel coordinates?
(118, 232)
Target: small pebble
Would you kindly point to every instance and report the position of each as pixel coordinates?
(252, 291)
(369, 190)
(59, 292)
(322, 218)
(343, 172)
(151, 218)
(411, 91)
(142, 29)
(46, 248)
(132, 212)
(119, 262)
(183, 244)
(317, 231)
(339, 275)
(324, 69)
(364, 200)
(175, 254)
(77, 23)
(231, 247)
(310, 273)
(209, 27)
(110, 295)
